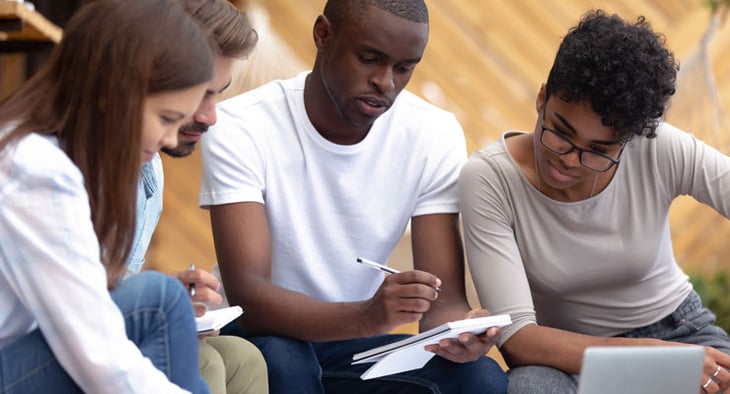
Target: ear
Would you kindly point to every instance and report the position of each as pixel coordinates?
(321, 32)
(541, 99)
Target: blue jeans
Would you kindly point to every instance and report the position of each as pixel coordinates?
(159, 320)
(690, 323)
(302, 367)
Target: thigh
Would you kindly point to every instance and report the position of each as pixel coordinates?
(29, 366)
(535, 379)
(292, 365)
(244, 364)
(690, 323)
(212, 367)
(159, 319)
(437, 376)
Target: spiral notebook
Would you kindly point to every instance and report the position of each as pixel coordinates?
(409, 353)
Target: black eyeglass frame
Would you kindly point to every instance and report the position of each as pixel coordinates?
(573, 147)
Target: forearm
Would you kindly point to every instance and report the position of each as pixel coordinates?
(273, 310)
(539, 345)
(446, 308)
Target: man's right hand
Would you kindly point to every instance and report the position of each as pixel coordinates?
(206, 288)
(402, 298)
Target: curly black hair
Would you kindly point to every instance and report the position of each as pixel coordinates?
(624, 70)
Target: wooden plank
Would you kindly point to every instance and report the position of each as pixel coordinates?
(35, 26)
(12, 70)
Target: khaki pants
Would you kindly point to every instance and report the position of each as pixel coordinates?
(232, 365)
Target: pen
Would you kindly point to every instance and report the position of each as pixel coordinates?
(381, 267)
(377, 266)
(191, 286)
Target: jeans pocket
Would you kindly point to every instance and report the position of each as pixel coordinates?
(692, 321)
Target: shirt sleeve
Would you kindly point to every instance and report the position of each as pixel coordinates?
(447, 154)
(491, 248)
(50, 259)
(233, 163)
(693, 168)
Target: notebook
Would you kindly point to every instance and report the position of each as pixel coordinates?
(641, 370)
(216, 319)
(409, 353)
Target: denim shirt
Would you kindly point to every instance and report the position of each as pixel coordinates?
(149, 209)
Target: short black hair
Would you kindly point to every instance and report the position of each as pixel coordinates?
(346, 12)
(623, 70)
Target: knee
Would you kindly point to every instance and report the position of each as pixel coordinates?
(210, 360)
(540, 379)
(484, 373)
(239, 354)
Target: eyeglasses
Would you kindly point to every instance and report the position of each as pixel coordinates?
(557, 143)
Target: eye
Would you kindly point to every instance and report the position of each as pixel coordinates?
(598, 149)
(367, 59)
(168, 120)
(405, 68)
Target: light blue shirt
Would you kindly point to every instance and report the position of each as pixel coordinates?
(149, 209)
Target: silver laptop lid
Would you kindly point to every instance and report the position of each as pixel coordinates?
(641, 370)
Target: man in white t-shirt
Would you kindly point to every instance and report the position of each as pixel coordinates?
(304, 176)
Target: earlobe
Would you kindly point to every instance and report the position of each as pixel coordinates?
(321, 31)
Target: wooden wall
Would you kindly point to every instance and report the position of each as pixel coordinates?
(485, 62)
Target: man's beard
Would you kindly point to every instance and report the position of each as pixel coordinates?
(185, 148)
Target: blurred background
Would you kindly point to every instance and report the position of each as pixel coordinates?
(485, 62)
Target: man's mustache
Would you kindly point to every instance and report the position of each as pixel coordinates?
(195, 127)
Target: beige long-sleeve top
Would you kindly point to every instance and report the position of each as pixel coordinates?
(601, 266)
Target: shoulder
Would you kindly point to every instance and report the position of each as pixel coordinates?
(670, 141)
(491, 161)
(38, 158)
(494, 153)
(416, 108)
(271, 93)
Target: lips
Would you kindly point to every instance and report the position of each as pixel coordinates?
(372, 106)
(559, 175)
(193, 137)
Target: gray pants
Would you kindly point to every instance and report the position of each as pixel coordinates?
(690, 323)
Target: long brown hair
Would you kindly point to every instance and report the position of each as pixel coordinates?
(91, 93)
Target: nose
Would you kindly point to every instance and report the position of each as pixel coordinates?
(169, 139)
(383, 79)
(571, 159)
(206, 112)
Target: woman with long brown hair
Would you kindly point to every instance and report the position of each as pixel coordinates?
(125, 76)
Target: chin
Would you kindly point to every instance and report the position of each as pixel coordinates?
(179, 151)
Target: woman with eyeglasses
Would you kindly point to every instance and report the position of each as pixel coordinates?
(566, 227)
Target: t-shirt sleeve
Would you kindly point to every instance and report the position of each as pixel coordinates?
(233, 163)
(438, 191)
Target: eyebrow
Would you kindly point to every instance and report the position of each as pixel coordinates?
(570, 127)
(380, 53)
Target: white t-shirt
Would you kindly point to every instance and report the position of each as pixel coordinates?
(328, 204)
(601, 266)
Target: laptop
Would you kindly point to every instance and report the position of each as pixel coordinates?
(641, 370)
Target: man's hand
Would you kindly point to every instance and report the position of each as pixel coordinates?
(206, 288)
(467, 347)
(402, 298)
